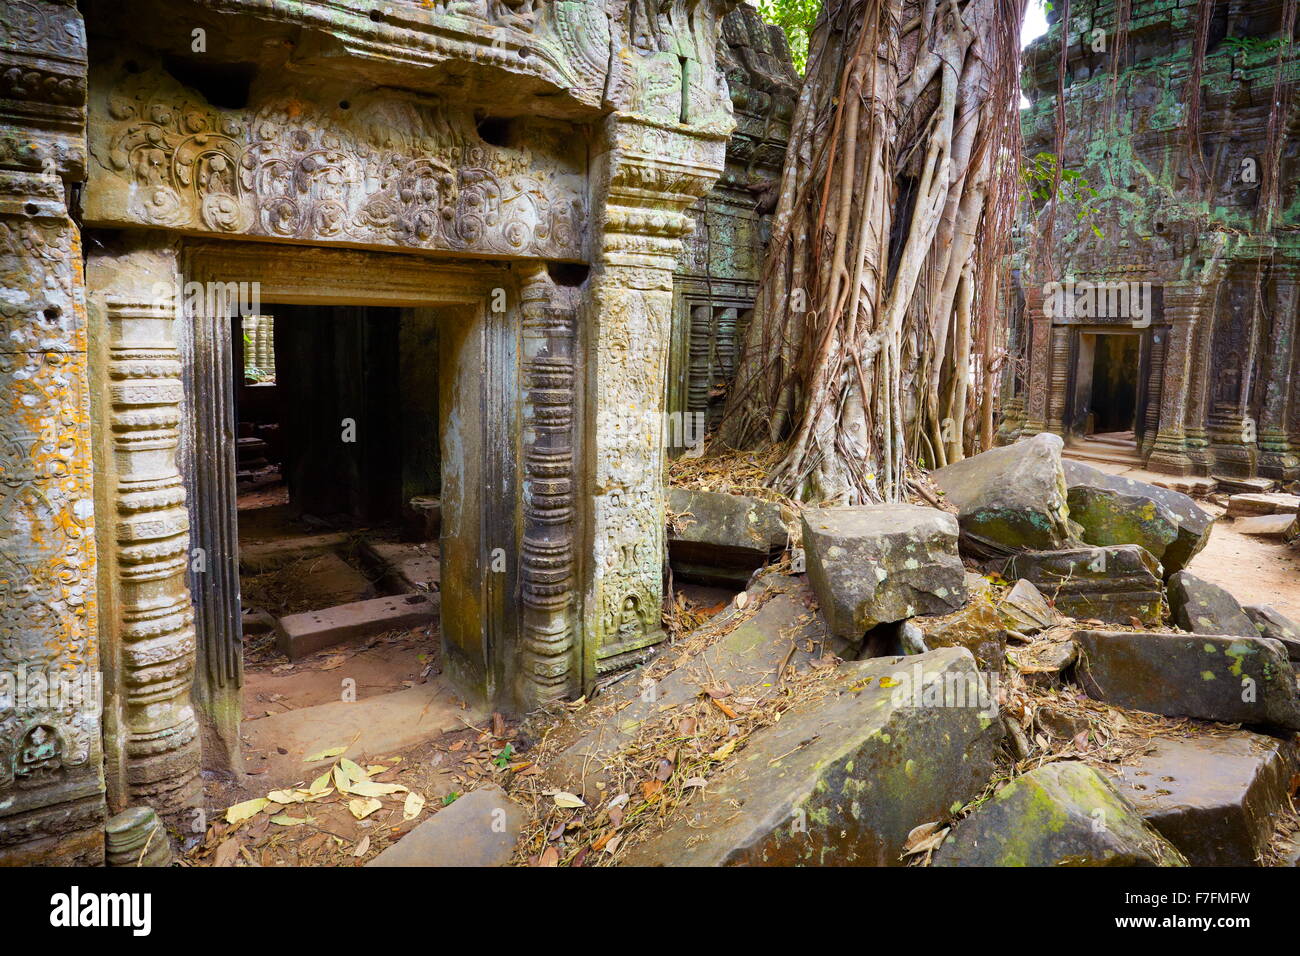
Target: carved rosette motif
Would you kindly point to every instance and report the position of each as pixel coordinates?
(550, 668)
(415, 176)
(154, 630)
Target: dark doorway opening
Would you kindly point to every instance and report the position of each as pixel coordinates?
(1114, 399)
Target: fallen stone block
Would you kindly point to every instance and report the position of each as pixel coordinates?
(1115, 510)
(1025, 609)
(1116, 584)
(717, 538)
(978, 627)
(1230, 679)
(1198, 606)
(260, 556)
(1218, 799)
(779, 625)
(845, 776)
(1043, 662)
(1269, 503)
(303, 634)
(478, 829)
(1062, 814)
(410, 567)
(1275, 626)
(1011, 498)
(1234, 484)
(877, 564)
(1281, 527)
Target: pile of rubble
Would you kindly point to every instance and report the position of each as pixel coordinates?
(1027, 676)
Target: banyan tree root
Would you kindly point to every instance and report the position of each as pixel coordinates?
(873, 337)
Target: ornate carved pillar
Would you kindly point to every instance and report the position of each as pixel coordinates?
(148, 631)
(1277, 454)
(51, 772)
(652, 174)
(1040, 360)
(1182, 306)
(551, 668)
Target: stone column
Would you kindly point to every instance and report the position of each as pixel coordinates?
(1182, 308)
(147, 634)
(1040, 360)
(1277, 457)
(550, 669)
(51, 768)
(652, 174)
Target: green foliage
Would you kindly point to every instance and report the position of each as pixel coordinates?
(796, 19)
(1250, 44)
(1037, 177)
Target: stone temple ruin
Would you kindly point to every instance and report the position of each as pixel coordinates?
(1175, 345)
(484, 203)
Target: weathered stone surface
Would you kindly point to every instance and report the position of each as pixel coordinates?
(843, 778)
(1043, 661)
(1115, 584)
(479, 829)
(311, 631)
(779, 614)
(1116, 510)
(1025, 609)
(1050, 817)
(1214, 677)
(1203, 608)
(720, 538)
(1275, 626)
(881, 563)
(1283, 527)
(1011, 498)
(1217, 799)
(1265, 503)
(978, 627)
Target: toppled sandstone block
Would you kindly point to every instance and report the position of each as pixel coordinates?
(877, 564)
(1266, 503)
(1116, 584)
(1218, 799)
(1198, 606)
(1025, 609)
(1280, 527)
(1115, 510)
(1062, 814)
(479, 829)
(722, 538)
(779, 615)
(1230, 679)
(1272, 624)
(845, 776)
(1011, 498)
(978, 627)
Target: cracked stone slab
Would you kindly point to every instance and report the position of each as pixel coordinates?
(1217, 798)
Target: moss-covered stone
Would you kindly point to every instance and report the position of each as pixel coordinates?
(1063, 814)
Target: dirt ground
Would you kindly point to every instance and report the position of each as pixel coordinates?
(1254, 570)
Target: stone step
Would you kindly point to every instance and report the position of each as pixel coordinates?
(372, 726)
(1108, 456)
(1266, 503)
(478, 829)
(306, 633)
(1217, 798)
(1234, 484)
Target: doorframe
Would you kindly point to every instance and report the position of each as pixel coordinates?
(1076, 374)
(310, 275)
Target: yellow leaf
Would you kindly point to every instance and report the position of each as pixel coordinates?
(285, 820)
(363, 808)
(568, 800)
(321, 784)
(324, 755)
(375, 768)
(353, 771)
(414, 804)
(287, 796)
(369, 788)
(246, 810)
(341, 779)
(723, 752)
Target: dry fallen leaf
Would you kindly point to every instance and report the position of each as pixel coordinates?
(246, 810)
(362, 847)
(363, 808)
(568, 800)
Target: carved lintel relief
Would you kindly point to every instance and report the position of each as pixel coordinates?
(148, 638)
(390, 170)
(550, 665)
(629, 306)
(51, 776)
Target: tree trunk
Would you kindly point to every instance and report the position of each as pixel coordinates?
(872, 337)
